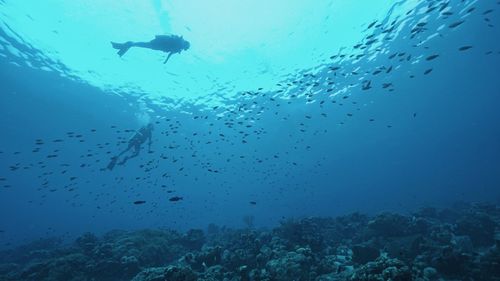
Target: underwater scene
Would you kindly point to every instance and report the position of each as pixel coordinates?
(249, 140)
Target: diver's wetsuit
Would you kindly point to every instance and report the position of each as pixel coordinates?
(165, 43)
(145, 133)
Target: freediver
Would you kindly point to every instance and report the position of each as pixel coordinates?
(144, 134)
(171, 44)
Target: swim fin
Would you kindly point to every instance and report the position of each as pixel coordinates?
(122, 47)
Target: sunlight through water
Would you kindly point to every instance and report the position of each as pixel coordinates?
(235, 45)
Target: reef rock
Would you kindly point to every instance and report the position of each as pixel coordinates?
(383, 269)
(292, 266)
(175, 273)
(389, 225)
(151, 274)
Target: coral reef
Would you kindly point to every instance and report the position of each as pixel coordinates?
(459, 243)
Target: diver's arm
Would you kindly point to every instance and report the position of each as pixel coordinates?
(169, 55)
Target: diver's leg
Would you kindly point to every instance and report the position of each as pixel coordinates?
(143, 45)
(124, 160)
(128, 148)
(137, 149)
(112, 163)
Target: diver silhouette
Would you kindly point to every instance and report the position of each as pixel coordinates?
(135, 143)
(171, 44)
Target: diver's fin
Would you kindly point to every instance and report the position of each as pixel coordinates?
(122, 47)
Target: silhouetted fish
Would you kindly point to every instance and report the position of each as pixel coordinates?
(431, 57)
(367, 85)
(139, 202)
(371, 24)
(175, 199)
(464, 48)
(455, 24)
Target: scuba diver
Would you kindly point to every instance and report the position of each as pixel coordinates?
(135, 143)
(171, 44)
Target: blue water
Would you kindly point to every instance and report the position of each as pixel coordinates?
(288, 109)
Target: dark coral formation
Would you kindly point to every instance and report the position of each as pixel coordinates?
(460, 243)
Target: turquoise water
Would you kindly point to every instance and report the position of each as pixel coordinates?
(236, 45)
(279, 109)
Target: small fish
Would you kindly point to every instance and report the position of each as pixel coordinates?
(175, 199)
(471, 10)
(253, 203)
(430, 9)
(366, 85)
(139, 202)
(455, 24)
(431, 57)
(428, 71)
(371, 24)
(464, 48)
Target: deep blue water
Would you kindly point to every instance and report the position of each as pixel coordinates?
(362, 129)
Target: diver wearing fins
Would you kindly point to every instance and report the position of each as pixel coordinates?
(171, 44)
(144, 134)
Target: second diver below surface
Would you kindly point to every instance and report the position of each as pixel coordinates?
(144, 134)
(171, 44)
